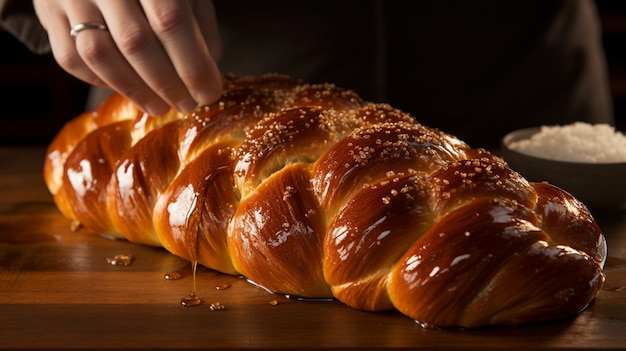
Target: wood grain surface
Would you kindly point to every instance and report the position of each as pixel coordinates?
(58, 291)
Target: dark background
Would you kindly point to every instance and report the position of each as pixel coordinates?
(37, 97)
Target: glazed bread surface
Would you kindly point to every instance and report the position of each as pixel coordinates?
(310, 191)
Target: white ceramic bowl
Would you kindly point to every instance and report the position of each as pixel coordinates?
(600, 186)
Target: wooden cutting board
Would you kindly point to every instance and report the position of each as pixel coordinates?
(58, 289)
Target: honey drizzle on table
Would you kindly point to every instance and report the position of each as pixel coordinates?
(192, 221)
(192, 299)
(175, 275)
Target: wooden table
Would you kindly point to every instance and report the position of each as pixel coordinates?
(57, 290)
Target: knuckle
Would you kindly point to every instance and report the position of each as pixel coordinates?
(92, 51)
(69, 62)
(134, 40)
(168, 19)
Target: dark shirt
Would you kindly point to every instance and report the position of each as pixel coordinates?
(477, 69)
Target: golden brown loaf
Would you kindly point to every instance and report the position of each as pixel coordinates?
(308, 190)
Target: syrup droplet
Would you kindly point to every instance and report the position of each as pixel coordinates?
(222, 286)
(190, 300)
(274, 302)
(75, 226)
(121, 260)
(426, 325)
(173, 275)
(217, 306)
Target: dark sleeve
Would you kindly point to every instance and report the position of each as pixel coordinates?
(18, 18)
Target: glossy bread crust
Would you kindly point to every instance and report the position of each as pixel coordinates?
(308, 190)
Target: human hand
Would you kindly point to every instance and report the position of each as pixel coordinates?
(157, 53)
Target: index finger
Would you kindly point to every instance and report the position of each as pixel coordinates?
(177, 28)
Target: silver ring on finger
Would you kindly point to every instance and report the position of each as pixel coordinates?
(77, 28)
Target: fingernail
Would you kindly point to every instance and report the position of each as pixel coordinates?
(186, 105)
(207, 97)
(157, 108)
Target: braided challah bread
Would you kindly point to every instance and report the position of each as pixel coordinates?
(307, 190)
